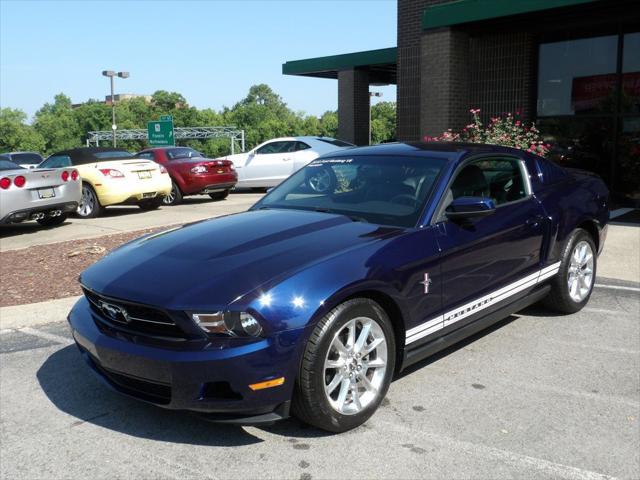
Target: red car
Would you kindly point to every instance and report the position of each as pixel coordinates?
(192, 174)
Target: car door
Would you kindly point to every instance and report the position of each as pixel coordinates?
(269, 164)
(493, 260)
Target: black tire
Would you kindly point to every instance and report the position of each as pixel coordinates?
(220, 195)
(310, 403)
(52, 221)
(150, 204)
(559, 298)
(89, 206)
(175, 197)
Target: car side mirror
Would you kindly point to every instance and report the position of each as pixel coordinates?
(470, 207)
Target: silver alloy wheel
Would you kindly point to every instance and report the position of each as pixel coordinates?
(87, 202)
(355, 366)
(580, 273)
(169, 199)
(320, 182)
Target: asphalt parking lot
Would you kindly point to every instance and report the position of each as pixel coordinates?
(123, 219)
(538, 396)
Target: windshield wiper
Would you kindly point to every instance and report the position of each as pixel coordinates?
(354, 218)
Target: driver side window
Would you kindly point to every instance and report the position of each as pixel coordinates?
(275, 147)
(500, 179)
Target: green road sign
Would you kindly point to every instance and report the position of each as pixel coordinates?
(166, 118)
(160, 134)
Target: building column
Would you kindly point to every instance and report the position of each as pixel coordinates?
(444, 82)
(353, 106)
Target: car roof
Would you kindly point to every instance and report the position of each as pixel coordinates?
(452, 150)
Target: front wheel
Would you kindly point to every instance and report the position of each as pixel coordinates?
(89, 206)
(571, 288)
(346, 368)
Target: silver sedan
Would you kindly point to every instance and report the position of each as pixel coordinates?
(44, 195)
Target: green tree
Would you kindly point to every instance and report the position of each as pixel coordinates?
(57, 124)
(383, 122)
(16, 135)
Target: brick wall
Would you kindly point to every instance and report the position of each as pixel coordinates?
(408, 93)
(353, 106)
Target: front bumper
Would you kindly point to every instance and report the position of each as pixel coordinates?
(209, 378)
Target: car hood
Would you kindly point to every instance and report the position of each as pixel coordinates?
(209, 264)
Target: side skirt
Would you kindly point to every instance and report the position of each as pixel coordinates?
(423, 351)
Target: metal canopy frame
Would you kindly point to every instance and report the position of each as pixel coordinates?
(235, 135)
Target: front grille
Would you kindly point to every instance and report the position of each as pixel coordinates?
(133, 318)
(150, 391)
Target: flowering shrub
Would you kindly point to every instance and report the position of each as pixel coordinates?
(508, 131)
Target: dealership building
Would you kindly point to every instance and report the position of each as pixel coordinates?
(572, 66)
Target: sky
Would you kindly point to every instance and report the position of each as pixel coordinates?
(209, 51)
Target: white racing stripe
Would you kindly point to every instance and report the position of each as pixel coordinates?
(457, 314)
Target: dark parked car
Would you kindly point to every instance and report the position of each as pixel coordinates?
(313, 300)
(24, 159)
(192, 173)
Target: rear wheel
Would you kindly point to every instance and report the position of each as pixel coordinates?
(89, 206)
(219, 195)
(571, 288)
(346, 368)
(174, 197)
(52, 221)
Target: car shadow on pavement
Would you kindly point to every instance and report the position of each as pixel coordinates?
(70, 385)
(15, 229)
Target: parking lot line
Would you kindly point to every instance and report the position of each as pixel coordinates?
(540, 465)
(617, 287)
(46, 336)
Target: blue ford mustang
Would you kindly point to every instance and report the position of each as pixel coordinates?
(361, 263)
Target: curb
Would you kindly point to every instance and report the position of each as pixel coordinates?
(18, 316)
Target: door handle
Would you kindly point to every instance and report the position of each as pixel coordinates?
(286, 159)
(534, 221)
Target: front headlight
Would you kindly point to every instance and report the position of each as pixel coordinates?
(234, 324)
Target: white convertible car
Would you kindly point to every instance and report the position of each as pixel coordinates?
(275, 160)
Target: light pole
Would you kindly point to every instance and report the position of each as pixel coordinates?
(111, 74)
(372, 94)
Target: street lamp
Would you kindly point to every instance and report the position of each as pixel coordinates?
(111, 74)
(372, 94)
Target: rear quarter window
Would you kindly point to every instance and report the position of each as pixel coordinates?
(549, 171)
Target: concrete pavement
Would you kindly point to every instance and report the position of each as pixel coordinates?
(538, 396)
(123, 219)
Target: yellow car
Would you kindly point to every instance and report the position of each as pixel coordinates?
(112, 176)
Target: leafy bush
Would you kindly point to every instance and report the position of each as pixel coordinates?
(507, 131)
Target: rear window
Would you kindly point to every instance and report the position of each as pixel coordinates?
(335, 142)
(26, 158)
(112, 154)
(175, 153)
(7, 165)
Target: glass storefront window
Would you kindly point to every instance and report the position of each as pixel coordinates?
(577, 76)
(631, 73)
(628, 167)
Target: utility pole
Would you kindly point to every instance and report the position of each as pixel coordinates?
(111, 74)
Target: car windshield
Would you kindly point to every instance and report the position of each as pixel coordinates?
(175, 153)
(376, 189)
(7, 165)
(111, 154)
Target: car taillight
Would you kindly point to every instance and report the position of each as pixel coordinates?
(74, 175)
(199, 169)
(163, 170)
(5, 183)
(110, 172)
(19, 181)
(64, 176)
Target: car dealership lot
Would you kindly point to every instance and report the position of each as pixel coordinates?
(538, 396)
(123, 219)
